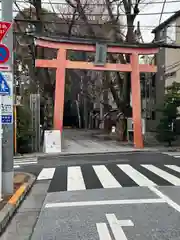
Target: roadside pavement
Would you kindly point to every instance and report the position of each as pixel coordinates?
(10, 203)
(80, 141)
(101, 198)
(76, 142)
(145, 213)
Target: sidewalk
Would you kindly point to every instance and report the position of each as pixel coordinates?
(22, 184)
(76, 142)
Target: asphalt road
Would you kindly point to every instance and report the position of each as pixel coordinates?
(132, 196)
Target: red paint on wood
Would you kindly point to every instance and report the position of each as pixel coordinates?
(59, 91)
(61, 125)
(147, 68)
(136, 102)
(92, 48)
(91, 66)
(45, 63)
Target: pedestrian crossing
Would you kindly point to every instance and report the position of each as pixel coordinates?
(85, 177)
(172, 154)
(24, 161)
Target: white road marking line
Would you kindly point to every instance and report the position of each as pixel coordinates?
(105, 177)
(16, 166)
(126, 223)
(170, 153)
(75, 179)
(167, 176)
(46, 174)
(174, 167)
(165, 198)
(26, 160)
(25, 163)
(103, 202)
(103, 231)
(173, 154)
(116, 227)
(136, 176)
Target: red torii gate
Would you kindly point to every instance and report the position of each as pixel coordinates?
(61, 64)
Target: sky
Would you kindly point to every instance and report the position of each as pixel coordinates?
(147, 21)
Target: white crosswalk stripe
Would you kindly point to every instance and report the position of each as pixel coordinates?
(174, 167)
(136, 176)
(167, 176)
(73, 178)
(46, 174)
(105, 177)
(24, 161)
(172, 154)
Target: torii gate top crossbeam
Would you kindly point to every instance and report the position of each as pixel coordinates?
(91, 47)
(141, 49)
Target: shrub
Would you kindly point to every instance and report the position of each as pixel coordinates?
(165, 130)
(24, 129)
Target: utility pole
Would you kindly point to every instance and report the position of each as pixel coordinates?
(7, 144)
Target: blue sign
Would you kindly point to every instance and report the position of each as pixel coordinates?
(4, 53)
(6, 119)
(4, 88)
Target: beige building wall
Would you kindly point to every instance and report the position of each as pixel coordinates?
(172, 56)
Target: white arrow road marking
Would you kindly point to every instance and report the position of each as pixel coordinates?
(116, 226)
(103, 231)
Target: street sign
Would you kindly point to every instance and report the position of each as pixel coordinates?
(6, 119)
(4, 88)
(4, 53)
(7, 100)
(4, 27)
(5, 68)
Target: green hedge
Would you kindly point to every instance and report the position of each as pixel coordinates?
(24, 129)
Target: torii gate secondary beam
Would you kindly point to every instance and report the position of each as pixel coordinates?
(54, 63)
(61, 64)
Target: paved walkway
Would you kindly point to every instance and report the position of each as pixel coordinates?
(79, 141)
(92, 146)
(82, 142)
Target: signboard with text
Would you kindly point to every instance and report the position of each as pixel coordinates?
(7, 101)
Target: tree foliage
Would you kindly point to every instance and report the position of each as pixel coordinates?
(166, 128)
(24, 129)
(101, 19)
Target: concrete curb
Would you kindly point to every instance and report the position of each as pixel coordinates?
(41, 156)
(96, 153)
(12, 205)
